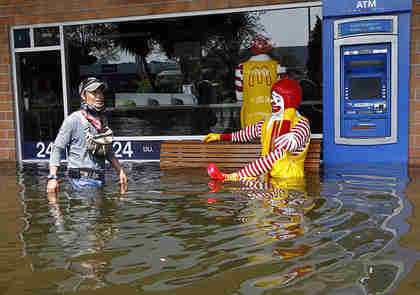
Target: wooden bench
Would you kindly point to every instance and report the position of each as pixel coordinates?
(180, 154)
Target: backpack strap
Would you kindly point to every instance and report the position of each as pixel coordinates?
(85, 125)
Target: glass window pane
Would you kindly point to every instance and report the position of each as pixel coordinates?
(40, 95)
(177, 76)
(48, 36)
(315, 13)
(22, 38)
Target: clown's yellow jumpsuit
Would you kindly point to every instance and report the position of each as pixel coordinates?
(291, 164)
(283, 156)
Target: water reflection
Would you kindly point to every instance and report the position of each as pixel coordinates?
(172, 233)
(283, 217)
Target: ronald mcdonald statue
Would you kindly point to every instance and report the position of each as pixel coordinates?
(253, 81)
(285, 138)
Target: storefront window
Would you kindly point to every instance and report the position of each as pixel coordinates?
(40, 98)
(176, 76)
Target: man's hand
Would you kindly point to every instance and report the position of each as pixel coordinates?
(123, 178)
(123, 182)
(212, 137)
(52, 186)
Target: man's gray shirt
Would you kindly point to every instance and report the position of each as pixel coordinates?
(72, 136)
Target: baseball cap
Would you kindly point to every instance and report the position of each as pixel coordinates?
(90, 84)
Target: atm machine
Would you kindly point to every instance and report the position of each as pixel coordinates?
(366, 81)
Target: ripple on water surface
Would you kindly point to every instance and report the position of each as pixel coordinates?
(176, 232)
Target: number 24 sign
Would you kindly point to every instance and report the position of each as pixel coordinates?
(126, 150)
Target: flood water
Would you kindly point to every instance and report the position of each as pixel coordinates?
(175, 232)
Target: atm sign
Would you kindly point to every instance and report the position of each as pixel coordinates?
(366, 4)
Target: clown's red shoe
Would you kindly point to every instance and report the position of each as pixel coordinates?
(214, 172)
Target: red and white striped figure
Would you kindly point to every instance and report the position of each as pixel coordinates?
(253, 81)
(285, 136)
(292, 142)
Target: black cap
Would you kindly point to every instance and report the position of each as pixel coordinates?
(90, 84)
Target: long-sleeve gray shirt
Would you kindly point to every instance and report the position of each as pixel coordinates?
(72, 136)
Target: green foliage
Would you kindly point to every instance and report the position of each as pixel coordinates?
(128, 102)
(83, 40)
(144, 86)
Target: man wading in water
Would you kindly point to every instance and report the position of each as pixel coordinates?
(89, 141)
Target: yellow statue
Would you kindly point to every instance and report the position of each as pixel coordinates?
(253, 81)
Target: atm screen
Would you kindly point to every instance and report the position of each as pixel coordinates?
(365, 88)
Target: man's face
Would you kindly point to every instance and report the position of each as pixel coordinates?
(95, 97)
(277, 103)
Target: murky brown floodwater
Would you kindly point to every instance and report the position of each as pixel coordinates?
(174, 234)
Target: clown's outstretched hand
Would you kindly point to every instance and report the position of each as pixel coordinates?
(212, 137)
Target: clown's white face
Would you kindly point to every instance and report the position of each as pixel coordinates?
(277, 103)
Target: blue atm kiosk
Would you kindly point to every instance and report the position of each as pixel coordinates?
(366, 81)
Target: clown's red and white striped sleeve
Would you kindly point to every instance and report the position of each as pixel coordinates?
(239, 78)
(296, 139)
(293, 142)
(248, 133)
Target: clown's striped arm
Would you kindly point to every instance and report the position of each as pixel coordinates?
(296, 140)
(249, 133)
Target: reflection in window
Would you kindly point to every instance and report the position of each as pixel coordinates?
(48, 36)
(40, 94)
(21, 38)
(176, 76)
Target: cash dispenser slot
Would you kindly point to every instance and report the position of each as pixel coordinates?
(365, 128)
